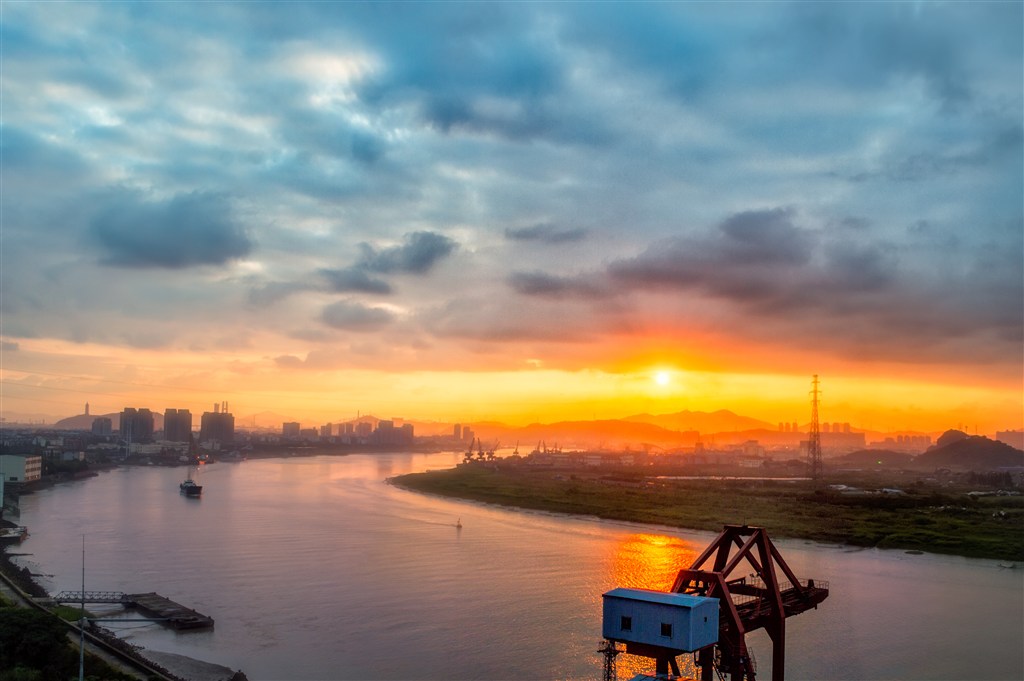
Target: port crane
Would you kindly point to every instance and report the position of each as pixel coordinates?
(760, 598)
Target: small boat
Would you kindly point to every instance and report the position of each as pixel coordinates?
(458, 524)
(189, 488)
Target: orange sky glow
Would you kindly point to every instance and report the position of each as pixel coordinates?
(58, 378)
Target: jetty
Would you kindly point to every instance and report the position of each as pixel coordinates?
(154, 606)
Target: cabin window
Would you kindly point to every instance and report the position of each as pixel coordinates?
(666, 629)
(627, 623)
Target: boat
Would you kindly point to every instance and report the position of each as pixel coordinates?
(458, 524)
(189, 488)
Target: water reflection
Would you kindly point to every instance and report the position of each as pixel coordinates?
(651, 561)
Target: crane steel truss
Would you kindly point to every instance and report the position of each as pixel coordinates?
(746, 603)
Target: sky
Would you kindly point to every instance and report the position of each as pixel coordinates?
(520, 212)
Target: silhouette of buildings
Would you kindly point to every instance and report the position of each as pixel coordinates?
(177, 425)
(217, 425)
(137, 424)
(101, 425)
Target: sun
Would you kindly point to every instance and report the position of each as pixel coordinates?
(662, 377)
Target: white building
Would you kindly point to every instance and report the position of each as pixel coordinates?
(18, 468)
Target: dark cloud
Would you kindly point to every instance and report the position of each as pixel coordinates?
(752, 254)
(417, 255)
(273, 292)
(353, 280)
(764, 237)
(546, 285)
(546, 233)
(351, 316)
(188, 230)
(9, 346)
(851, 267)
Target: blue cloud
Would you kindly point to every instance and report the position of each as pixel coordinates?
(188, 230)
(417, 255)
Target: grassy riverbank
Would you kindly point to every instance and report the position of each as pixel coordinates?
(925, 519)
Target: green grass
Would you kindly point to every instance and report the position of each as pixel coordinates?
(926, 520)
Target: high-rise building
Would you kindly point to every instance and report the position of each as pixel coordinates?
(291, 429)
(137, 424)
(457, 431)
(177, 425)
(217, 425)
(101, 425)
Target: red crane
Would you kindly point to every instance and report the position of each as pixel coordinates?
(760, 598)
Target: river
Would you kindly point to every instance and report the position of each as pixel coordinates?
(316, 568)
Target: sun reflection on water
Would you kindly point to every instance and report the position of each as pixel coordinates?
(651, 561)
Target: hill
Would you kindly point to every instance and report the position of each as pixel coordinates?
(955, 449)
(874, 458)
(84, 421)
(719, 421)
(603, 434)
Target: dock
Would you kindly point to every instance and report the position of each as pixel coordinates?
(175, 614)
(154, 606)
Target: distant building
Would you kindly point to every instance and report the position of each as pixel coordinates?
(21, 468)
(457, 431)
(291, 429)
(388, 434)
(137, 424)
(327, 430)
(217, 425)
(364, 429)
(101, 425)
(177, 425)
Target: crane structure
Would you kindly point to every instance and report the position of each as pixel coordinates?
(760, 598)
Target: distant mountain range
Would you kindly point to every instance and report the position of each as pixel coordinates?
(647, 432)
(954, 449)
(719, 421)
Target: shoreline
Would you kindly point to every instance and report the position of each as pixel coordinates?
(169, 665)
(991, 528)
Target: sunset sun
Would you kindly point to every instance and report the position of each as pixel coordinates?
(662, 377)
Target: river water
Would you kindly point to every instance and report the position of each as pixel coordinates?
(316, 568)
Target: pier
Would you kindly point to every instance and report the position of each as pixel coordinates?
(156, 607)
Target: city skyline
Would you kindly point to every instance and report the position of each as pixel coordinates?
(515, 212)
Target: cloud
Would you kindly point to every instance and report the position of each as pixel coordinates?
(751, 255)
(188, 230)
(417, 255)
(273, 292)
(546, 233)
(9, 346)
(353, 280)
(350, 316)
(545, 285)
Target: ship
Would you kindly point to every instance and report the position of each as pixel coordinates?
(189, 488)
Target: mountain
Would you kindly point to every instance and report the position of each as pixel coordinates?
(604, 434)
(719, 421)
(873, 458)
(84, 421)
(265, 420)
(955, 449)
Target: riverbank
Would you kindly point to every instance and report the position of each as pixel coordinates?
(168, 665)
(930, 520)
